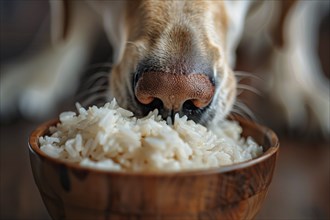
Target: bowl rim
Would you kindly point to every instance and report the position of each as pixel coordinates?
(268, 133)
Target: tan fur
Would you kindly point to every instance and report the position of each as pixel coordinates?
(177, 37)
(174, 30)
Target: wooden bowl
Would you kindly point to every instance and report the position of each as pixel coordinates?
(231, 192)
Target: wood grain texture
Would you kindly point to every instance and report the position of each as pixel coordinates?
(231, 192)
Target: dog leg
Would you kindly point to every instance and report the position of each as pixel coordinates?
(298, 83)
(34, 86)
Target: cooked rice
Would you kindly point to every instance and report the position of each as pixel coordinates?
(111, 138)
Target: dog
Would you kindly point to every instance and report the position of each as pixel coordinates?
(176, 56)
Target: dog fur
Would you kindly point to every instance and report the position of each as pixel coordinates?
(210, 30)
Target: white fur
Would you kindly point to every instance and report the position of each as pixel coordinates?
(236, 11)
(297, 81)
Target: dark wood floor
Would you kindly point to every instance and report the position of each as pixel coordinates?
(300, 187)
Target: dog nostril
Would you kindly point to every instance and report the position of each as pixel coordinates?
(154, 104)
(189, 105)
(174, 92)
(146, 100)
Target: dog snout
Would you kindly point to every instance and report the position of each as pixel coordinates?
(174, 92)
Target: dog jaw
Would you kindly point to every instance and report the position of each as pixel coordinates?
(180, 38)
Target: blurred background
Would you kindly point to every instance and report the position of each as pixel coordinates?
(300, 187)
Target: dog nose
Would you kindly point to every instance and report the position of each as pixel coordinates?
(174, 92)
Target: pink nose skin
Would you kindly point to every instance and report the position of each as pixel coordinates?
(174, 89)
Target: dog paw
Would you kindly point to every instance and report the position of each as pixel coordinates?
(36, 103)
(301, 92)
(33, 87)
(22, 93)
(318, 104)
(304, 112)
(11, 86)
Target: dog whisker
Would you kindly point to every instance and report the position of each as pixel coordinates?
(238, 112)
(97, 83)
(241, 75)
(239, 92)
(91, 100)
(240, 106)
(101, 76)
(99, 65)
(94, 86)
(92, 90)
(244, 87)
